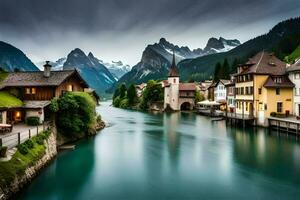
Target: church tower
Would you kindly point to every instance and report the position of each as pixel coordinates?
(172, 90)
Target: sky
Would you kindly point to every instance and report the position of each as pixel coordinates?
(121, 29)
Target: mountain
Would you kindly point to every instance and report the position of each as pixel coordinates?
(12, 58)
(56, 66)
(215, 45)
(117, 69)
(91, 69)
(282, 39)
(156, 58)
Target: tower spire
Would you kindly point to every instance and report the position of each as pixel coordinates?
(173, 69)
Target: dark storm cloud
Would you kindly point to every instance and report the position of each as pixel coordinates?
(104, 25)
(122, 15)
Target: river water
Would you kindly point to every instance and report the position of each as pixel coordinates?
(172, 156)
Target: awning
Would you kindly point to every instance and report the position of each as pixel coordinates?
(36, 104)
(208, 103)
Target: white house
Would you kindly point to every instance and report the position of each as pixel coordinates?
(178, 96)
(220, 91)
(294, 75)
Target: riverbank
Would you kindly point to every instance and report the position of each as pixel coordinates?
(22, 168)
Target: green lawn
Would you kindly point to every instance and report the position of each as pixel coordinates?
(8, 100)
(293, 56)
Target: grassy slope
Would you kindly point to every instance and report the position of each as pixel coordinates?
(8, 100)
(19, 162)
(294, 55)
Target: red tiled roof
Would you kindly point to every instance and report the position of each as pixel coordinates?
(187, 86)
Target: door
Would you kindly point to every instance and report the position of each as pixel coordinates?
(298, 109)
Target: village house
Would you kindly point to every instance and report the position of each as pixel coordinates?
(203, 86)
(178, 96)
(230, 95)
(294, 75)
(36, 90)
(262, 88)
(220, 91)
(140, 88)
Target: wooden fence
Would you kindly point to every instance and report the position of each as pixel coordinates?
(15, 138)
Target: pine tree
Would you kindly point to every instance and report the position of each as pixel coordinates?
(225, 70)
(122, 91)
(131, 94)
(217, 71)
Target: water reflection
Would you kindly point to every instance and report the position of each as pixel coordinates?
(173, 156)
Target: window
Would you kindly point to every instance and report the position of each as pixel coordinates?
(70, 88)
(279, 107)
(266, 107)
(297, 76)
(277, 91)
(33, 90)
(242, 91)
(27, 90)
(259, 90)
(278, 80)
(174, 80)
(30, 90)
(246, 106)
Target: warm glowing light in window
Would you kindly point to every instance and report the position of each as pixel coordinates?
(27, 90)
(33, 90)
(70, 88)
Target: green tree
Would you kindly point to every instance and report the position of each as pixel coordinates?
(225, 70)
(75, 113)
(122, 91)
(152, 93)
(131, 94)
(198, 96)
(217, 71)
(116, 93)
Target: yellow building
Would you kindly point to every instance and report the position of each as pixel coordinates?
(262, 87)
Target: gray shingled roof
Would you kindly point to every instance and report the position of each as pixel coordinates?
(35, 78)
(294, 67)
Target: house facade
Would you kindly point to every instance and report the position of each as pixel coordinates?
(178, 96)
(36, 90)
(262, 87)
(230, 96)
(220, 91)
(294, 75)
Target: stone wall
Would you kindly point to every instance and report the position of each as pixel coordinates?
(31, 171)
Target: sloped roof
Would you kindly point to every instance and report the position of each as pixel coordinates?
(285, 82)
(187, 86)
(37, 78)
(173, 69)
(264, 63)
(294, 67)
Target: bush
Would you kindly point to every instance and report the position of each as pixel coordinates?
(32, 121)
(29, 144)
(76, 114)
(124, 103)
(3, 151)
(22, 148)
(116, 102)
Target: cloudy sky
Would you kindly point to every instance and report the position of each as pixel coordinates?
(121, 29)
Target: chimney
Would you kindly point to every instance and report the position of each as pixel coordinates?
(47, 69)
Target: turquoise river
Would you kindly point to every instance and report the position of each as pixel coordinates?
(172, 156)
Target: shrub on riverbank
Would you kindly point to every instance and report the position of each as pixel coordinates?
(20, 161)
(125, 98)
(75, 114)
(153, 92)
